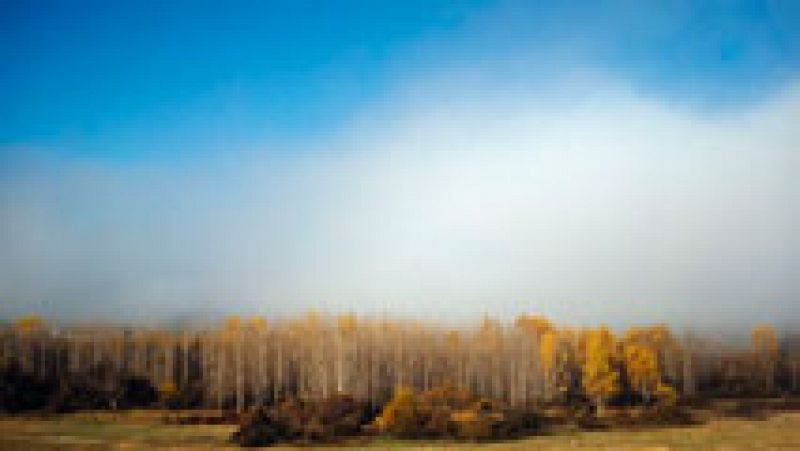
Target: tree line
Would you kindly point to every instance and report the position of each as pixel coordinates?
(246, 362)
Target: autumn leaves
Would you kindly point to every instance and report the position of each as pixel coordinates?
(246, 361)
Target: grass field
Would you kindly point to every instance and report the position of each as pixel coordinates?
(146, 430)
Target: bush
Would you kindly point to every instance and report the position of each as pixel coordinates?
(666, 395)
(400, 416)
(521, 421)
(342, 415)
(307, 422)
(83, 392)
(479, 422)
(435, 410)
(135, 392)
(21, 392)
(260, 428)
(444, 413)
(79, 394)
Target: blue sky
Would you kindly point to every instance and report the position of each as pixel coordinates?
(116, 78)
(594, 161)
(127, 79)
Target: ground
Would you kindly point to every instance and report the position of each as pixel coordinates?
(146, 430)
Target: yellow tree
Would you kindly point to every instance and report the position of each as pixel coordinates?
(600, 379)
(399, 416)
(28, 329)
(29, 323)
(765, 351)
(650, 355)
(641, 367)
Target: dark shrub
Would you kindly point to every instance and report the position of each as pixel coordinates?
(521, 421)
(21, 392)
(306, 422)
(259, 428)
(135, 392)
(79, 393)
(342, 415)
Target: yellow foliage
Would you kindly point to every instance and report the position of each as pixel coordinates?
(399, 416)
(548, 345)
(666, 395)
(765, 353)
(657, 338)
(534, 324)
(232, 323)
(347, 323)
(464, 416)
(765, 342)
(660, 335)
(29, 323)
(476, 422)
(167, 389)
(257, 323)
(641, 366)
(600, 379)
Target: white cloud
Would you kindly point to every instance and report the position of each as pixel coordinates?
(596, 205)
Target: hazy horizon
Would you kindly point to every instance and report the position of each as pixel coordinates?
(626, 163)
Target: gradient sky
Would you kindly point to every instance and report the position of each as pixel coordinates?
(593, 161)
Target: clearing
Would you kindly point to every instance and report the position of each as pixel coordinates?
(146, 430)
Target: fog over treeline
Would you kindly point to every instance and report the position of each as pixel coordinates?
(598, 205)
(613, 162)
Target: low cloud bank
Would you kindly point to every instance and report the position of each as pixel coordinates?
(602, 205)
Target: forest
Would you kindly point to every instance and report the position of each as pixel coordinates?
(319, 378)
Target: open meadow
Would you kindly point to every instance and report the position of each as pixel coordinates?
(149, 429)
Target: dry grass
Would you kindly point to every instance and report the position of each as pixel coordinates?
(781, 430)
(103, 430)
(145, 430)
